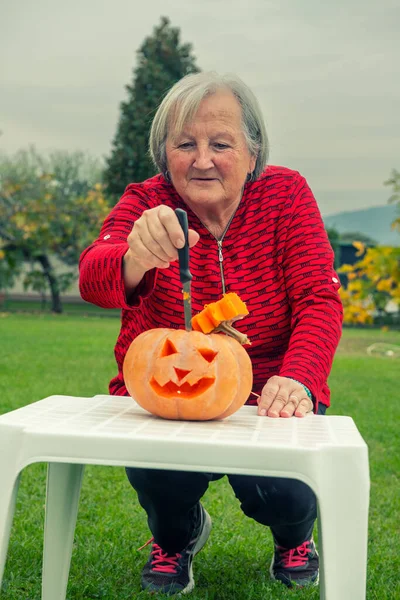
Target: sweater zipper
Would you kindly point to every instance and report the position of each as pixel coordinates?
(220, 255)
(221, 267)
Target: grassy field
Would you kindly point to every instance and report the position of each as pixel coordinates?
(42, 355)
(69, 308)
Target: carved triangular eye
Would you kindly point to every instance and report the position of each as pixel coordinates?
(181, 373)
(168, 348)
(208, 354)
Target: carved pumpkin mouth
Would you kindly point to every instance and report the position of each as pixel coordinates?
(186, 390)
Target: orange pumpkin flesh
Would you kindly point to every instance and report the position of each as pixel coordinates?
(219, 316)
(178, 374)
(229, 308)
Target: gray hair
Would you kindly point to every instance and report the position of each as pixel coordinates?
(182, 102)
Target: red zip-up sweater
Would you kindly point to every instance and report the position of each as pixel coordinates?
(275, 254)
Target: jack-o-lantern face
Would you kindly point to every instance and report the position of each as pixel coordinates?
(178, 374)
(188, 371)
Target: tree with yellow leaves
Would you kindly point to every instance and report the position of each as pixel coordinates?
(372, 282)
(49, 208)
(375, 278)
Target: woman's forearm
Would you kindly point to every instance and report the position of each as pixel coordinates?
(132, 273)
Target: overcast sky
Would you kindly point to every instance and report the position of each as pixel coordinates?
(327, 75)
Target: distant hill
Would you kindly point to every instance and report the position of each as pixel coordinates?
(375, 222)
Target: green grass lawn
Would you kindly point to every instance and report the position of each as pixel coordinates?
(80, 308)
(43, 354)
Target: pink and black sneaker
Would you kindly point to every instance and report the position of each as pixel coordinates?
(173, 573)
(296, 566)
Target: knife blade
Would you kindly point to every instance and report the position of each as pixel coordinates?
(184, 272)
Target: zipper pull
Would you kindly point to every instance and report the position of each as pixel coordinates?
(221, 258)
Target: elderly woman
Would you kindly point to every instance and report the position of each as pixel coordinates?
(254, 230)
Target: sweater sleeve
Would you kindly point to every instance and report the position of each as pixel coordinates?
(101, 264)
(312, 288)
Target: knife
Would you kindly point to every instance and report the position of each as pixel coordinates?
(184, 272)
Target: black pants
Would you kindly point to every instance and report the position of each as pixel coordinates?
(170, 499)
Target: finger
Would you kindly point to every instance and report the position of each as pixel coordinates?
(143, 255)
(267, 397)
(148, 231)
(281, 399)
(305, 406)
(170, 222)
(290, 407)
(193, 237)
(175, 235)
(160, 236)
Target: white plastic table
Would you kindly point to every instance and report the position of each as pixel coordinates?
(326, 452)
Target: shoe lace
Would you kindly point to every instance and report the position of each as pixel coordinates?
(295, 557)
(162, 561)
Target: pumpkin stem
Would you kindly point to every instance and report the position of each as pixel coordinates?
(225, 327)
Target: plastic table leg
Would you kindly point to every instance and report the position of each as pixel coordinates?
(343, 497)
(64, 482)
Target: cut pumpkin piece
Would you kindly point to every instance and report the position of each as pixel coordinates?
(219, 316)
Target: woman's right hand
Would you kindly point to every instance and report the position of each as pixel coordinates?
(156, 237)
(153, 243)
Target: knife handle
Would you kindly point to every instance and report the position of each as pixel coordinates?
(183, 253)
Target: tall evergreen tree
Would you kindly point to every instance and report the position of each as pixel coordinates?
(161, 61)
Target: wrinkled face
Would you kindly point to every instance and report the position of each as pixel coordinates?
(209, 160)
(183, 369)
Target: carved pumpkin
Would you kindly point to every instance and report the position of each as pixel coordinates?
(178, 374)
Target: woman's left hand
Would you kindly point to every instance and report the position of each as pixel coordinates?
(283, 397)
